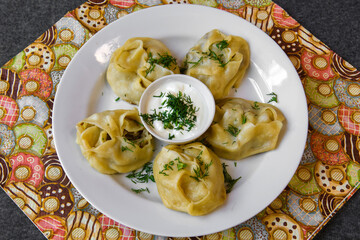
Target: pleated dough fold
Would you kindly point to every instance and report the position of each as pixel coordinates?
(134, 66)
(115, 141)
(242, 128)
(220, 61)
(189, 178)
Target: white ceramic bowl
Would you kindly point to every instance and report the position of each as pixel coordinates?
(172, 83)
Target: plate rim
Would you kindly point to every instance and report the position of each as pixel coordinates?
(134, 14)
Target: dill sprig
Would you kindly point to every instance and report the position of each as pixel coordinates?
(234, 131)
(126, 148)
(180, 113)
(194, 64)
(143, 175)
(164, 60)
(243, 119)
(273, 98)
(229, 181)
(139, 190)
(222, 45)
(168, 166)
(217, 57)
(171, 136)
(256, 106)
(201, 171)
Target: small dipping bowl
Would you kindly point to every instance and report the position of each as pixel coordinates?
(202, 99)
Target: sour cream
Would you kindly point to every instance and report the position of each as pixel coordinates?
(200, 100)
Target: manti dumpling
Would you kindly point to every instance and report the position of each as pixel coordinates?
(219, 61)
(115, 141)
(136, 64)
(189, 178)
(242, 128)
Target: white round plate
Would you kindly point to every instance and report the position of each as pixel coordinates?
(83, 91)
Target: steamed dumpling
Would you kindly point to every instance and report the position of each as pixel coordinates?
(115, 141)
(136, 64)
(242, 128)
(219, 61)
(189, 178)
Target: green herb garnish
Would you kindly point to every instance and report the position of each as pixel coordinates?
(117, 99)
(273, 98)
(132, 143)
(201, 171)
(234, 131)
(180, 165)
(194, 64)
(243, 119)
(256, 106)
(222, 45)
(164, 60)
(229, 181)
(213, 56)
(171, 136)
(168, 166)
(180, 113)
(139, 190)
(125, 148)
(160, 95)
(143, 175)
(138, 123)
(198, 157)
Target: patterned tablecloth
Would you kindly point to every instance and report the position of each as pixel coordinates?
(31, 174)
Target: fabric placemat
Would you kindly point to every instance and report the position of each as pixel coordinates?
(32, 176)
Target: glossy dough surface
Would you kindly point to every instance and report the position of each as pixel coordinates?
(201, 62)
(130, 70)
(178, 189)
(242, 128)
(115, 141)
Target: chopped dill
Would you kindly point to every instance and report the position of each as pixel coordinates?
(139, 123)
(256, 106)
(273, 98)
(180, 113)
(168, 166)
(222, 45)
(229, 181)
(125, 148)
(180, 165)
(194, 64)
(201, 171)
(160, 95)
(234, 131)
(164, 60)
(213, 56)
(198, 157)
(171, 136)
(139, 190)
(129, 142)
(143, 175)
(243, 119)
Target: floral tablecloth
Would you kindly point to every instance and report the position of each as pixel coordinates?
(31, 173)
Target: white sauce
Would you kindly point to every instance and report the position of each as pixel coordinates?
(174, 87)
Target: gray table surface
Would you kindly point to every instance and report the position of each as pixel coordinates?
(336, 23)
